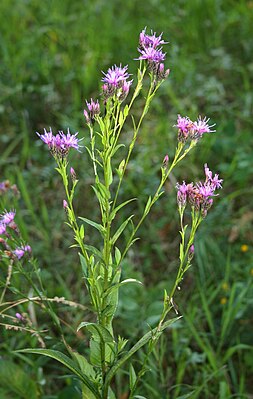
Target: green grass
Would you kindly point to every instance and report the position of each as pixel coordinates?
(52, 54)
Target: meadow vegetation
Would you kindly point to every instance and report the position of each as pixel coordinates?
(52, 54)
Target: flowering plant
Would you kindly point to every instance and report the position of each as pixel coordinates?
(101, 265)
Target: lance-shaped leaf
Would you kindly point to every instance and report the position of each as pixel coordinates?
(67, 362)
(113, 214)
(124, 282)
(97, 226)
(121, 229)
(97, 331)
(143, 341)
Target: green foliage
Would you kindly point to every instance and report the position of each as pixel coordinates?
(14, 381)
(49, 65)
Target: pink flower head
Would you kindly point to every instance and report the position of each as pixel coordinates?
(2, 228)
(7, 217)
(47, 137)
(184, 125)
(201, 126)
(60, 144)
(215, 182)
(183, 191)
(20, 252)
(152, 55)
(93, 110)
(115, 75)
(69, 141)
(65, 204)
(150, 40)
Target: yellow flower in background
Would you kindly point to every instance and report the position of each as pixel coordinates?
(244, 247)
(251, 272)
(223, 301)
(225, 286)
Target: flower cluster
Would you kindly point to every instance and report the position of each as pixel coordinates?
(7, 221)
(60, 144)
(151, 52)
(192, 130)
(115, 83)
(93, 109)
(199, 195)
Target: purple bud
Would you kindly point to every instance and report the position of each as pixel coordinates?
(191, 252)
(161, 73)
(166, 161)
(19, 316)
(72, 173)
(65, 204)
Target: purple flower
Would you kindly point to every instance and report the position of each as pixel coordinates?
(201, 126)
(193, 130)
(115, 82)
(20, 252)
(215, 182)
(65, 204)
(199, 195)
(115, 76)
(183, 191)
(2, 228)
(69, 140)
(7, 217)
(205, 190)
(152, 55)
(150, 40)
(93, 110)
(47, 137)
(60, 144)
(184, 125)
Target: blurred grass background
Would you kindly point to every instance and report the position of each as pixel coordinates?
(52, 54)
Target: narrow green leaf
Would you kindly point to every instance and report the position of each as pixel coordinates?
(121, 229)
(117, 255)
(97, 226)
(132, 376)
(147, 205)
(124, 282)
(67, 362)
(81, 232)
(98, 332)
(143, 341)
(114, 212)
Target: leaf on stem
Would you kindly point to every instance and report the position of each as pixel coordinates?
(98, 332)
(97, 226)
(121, 229)
(67, 362)
(114, 212)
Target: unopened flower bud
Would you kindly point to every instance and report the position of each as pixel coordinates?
(165, 161)
(162, 73)
(65, 205)
(72, 173)
(191, 252)
(20, 318)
